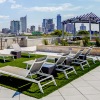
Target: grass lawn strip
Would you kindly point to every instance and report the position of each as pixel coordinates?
(31, 89)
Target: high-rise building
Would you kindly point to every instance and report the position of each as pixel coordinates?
(59, 22)
(23, 24)
(48, 25)
(6, 30)
(44, 24)
(32, 28)
(28, 30)
(39, 28)
(70, 28)
(82, 27)
(15, 27)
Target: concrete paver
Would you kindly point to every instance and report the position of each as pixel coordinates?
(75, 97)
(93, 97)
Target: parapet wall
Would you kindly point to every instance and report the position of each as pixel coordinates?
(6, 42)
(62, 49)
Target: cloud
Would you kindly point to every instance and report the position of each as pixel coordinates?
(15, 6)
(69, 15)
(2, 1)
(4, 17)
(62, 7)
(12, 1)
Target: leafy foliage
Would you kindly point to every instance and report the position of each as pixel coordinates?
(45, 42)
(64, 42)
(56, 42)
(84, 33)
(97, 42)
(58, 33)
(86, 41)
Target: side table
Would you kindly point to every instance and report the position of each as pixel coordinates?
(83, 57)
(49, 69)
(17, 54)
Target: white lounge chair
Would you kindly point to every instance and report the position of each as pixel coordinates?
(66, 69)
(5, 54)
(16, 47)
(27, 74)
(76, 60)
(85, 55)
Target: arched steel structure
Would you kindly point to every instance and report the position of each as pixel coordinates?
(86, 18)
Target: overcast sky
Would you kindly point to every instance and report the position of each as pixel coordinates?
(36, 10)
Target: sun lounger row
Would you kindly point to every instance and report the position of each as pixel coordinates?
(36, 66)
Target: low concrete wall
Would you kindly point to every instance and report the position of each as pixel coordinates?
(6, 42)
(62, 49)
(22, 41)
(33, 42)
(38, 41)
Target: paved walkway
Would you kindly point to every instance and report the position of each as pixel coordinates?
(86, 87)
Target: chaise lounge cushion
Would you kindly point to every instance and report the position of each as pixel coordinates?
(15, 70)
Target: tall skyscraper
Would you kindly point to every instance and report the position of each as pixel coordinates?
(44, 24)
(59, 22)
(48, 25)
(23, 24)
(15, 27)
(82, 27)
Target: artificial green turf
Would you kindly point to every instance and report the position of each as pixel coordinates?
(32, 89)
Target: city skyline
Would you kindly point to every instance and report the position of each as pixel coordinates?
(37, 10)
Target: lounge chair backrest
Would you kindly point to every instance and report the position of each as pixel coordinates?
(78, 54)
(16, 47)
(42, 58)
(88, 51)
(36, 66)
(60, 60)
(67, 53)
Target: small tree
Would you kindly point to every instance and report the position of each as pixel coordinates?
(59, 33)
(83, 33)
(56, 42)
(97, 42)
(45, 42)
(86, 41)
(64, 42)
